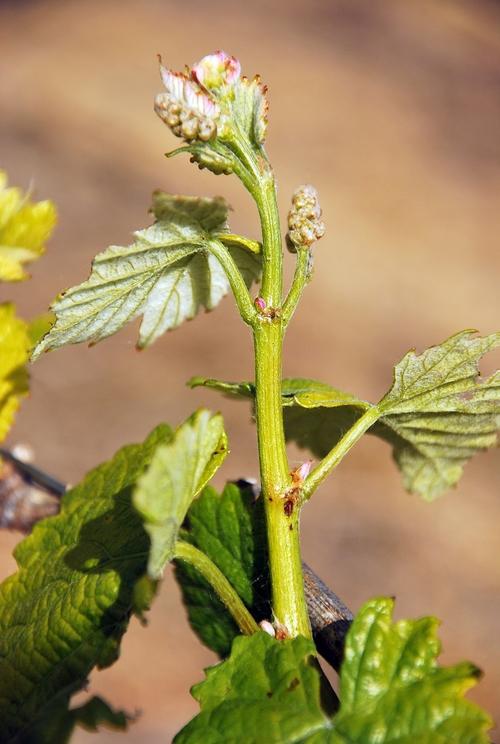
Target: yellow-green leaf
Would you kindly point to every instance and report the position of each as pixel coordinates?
(24, 229)
(14, 349)
(391, 690)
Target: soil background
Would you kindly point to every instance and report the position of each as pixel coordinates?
(392, 110)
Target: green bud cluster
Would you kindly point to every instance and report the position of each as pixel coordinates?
(183, 121)
(304, 219)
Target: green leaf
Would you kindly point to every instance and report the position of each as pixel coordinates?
(391, 688)
(65, 610)
(315, 414)
(178, 472)
(267, 690)
(59, 724)
(167, 275)
(24, 229)
(437, 414)
(230, 529)
(14, 349)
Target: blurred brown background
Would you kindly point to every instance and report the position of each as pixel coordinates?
(392, 110)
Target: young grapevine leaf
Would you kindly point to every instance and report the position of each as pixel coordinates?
(14, 350)
(436, 416)
(24, 229)
(178, 472)
(166, 275)
(267, 690)
(391, 690)
(65, 610)
(230, 529)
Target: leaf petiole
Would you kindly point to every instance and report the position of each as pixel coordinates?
(183, 551)
(240, 241)
(235, 279)
(301, 279)
(336, 454)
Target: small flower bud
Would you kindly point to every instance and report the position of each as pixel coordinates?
(304, 219)
(172, 120)
(189, 128)
(260, 304)
(206, 129)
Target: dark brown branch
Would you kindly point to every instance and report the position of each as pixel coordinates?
(330, 618)
(27, 494)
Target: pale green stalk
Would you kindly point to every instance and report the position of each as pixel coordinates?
(238, 286)
(301, 278)
(289, 604)
(227, 594)
(332, 459)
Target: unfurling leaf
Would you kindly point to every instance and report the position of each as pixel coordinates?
(436, 416)
(230, 529)
(65, 610)
(14, 350)
(178, 472)
(167, 275)
(391, 689)
(24, 229)
(212, 107)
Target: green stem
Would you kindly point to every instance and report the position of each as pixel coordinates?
(226, 593)
(289, 604)
(301, 278)
(257, 176)
(332, 459)
(272, 254)
(240, 291)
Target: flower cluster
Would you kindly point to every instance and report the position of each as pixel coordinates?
(189, 106)
(304, 219)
